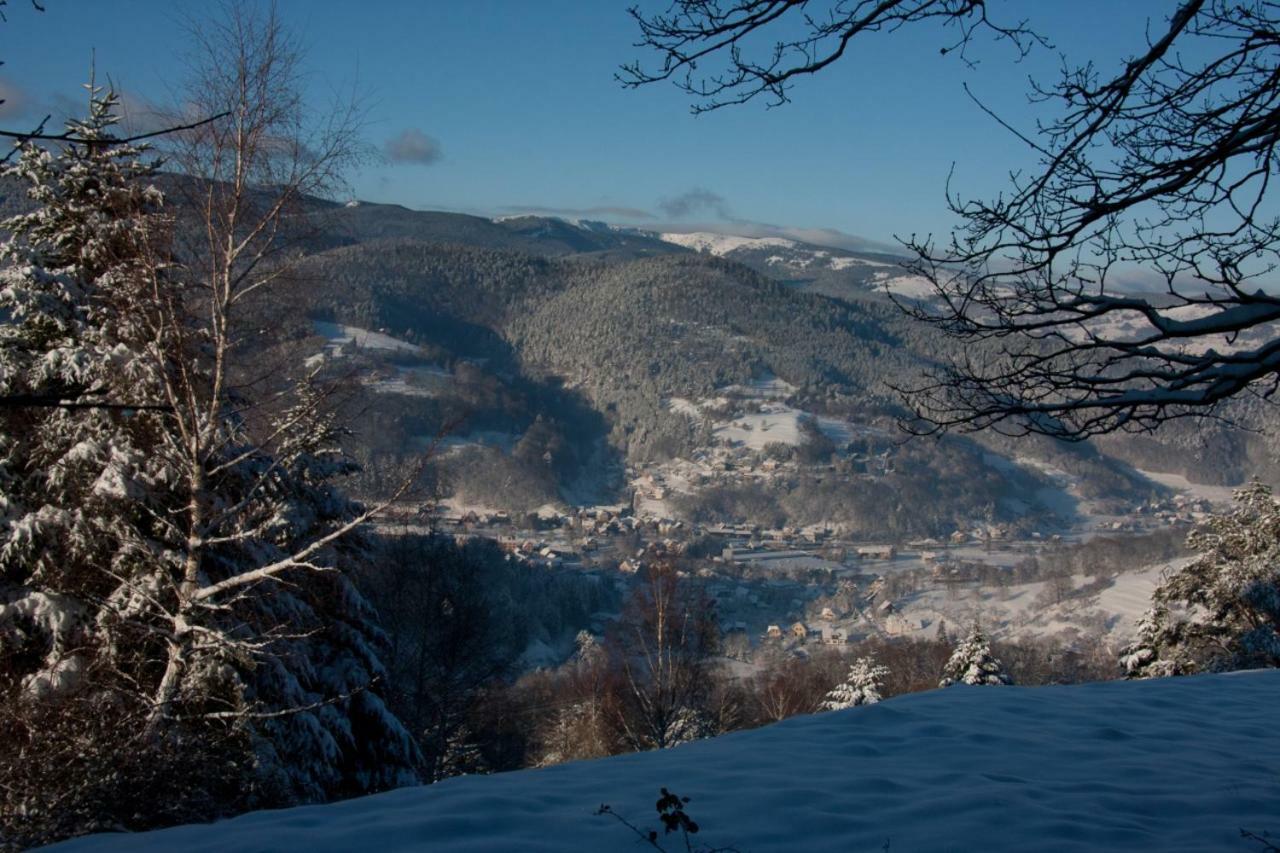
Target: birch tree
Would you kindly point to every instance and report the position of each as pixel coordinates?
(173, 565)
(265, 536)
(662, 651)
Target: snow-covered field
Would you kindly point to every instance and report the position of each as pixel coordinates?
(794, 255)
(339, 335)
(423, 380)
(775, 422)
(778, 423)
(1026, 611)
(1180, 764)
(910, 286)
(1219, 495)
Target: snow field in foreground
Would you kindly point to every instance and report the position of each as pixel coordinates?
(1175, 764)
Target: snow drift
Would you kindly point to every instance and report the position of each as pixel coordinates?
(1171, 764)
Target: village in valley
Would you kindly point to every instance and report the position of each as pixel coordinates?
(795, 587)
(792, 589)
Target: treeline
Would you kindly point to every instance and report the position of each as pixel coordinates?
(655, 679)
(460, 618)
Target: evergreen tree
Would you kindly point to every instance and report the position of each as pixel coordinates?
(861, 687)
(268, 652)
(1221, 611)
(973, 663)
(80, 488)
(86, 497)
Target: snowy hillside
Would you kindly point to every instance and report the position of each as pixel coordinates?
(1169, 765)
(723, 244)
(823, 269)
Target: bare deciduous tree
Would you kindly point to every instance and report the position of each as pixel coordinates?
(1163, 166)
(246, 178)
(662, 649)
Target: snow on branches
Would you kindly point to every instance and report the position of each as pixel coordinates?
(973, 663)
(861, 687)
(1220, 611)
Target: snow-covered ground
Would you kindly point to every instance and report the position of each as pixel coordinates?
(422, 380)
(793, 255)
(910, 286)
(1026, 611)
(1130, 596)
(1218, 495)
(774, 423)
(723, 244)
(1179, 764)
(339, 335)
(777, 423)
(1133, 325)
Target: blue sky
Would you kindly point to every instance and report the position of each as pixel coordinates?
(514, 104)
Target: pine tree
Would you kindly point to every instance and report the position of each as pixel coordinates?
(973, 663)
(78, 485)
(861, 687)
(1220, 611)
(85, 494)
(270, 654)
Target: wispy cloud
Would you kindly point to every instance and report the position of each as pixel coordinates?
(142, 116)
(412, 146)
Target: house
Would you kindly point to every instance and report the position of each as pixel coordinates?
(834, 636)
(773, 632)
(827, 615)
(799, 631)
(877, 552)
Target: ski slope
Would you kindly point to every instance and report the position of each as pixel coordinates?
(1169, 765)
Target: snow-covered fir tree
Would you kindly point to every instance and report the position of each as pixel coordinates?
(578, 729)
(1220, 611)
(973, 663)
(861, 687)
(86, 498)
(686, 726)
(81, 493)
(142, 522)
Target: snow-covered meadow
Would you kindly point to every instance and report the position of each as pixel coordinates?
(1179, 764)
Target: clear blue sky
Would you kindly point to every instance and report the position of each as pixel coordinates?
(520, 98)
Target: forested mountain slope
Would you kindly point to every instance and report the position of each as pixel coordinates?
(604, 338)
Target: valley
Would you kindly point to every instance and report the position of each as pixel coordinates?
(416, 434)
(795, 499)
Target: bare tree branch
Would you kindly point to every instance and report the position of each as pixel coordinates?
(1162, 168)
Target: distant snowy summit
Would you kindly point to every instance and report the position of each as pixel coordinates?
(723, 244)
(826, 269)
(823, 268)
